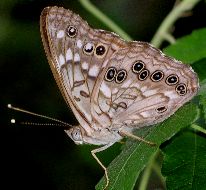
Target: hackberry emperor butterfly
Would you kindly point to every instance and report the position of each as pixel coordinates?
(111, 85)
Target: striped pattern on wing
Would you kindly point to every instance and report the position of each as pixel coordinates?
(139, 101)
(75, 72)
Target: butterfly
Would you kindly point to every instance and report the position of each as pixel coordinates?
(112, 86)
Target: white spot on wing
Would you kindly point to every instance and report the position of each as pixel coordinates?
(150, 92)
(69, 55)
(143, 88)
(126, 84)
(88, 46)
(93, 71)
(79, 44)
(105, 90)
(171, 94)
(76, 57)
(85, 66)
(60, 34)
(136, 85)
(115, 90)
(145, 114)
(61, 60)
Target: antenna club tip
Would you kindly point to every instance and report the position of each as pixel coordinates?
(9, 106)
(13, 121)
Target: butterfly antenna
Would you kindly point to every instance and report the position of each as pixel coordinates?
(38, 115)
(65, 127)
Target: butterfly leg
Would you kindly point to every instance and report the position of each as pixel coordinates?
(125, 133)
(93, 152)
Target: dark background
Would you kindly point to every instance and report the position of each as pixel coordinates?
(33, 157)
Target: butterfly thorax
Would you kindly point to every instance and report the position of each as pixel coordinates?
(101, 136)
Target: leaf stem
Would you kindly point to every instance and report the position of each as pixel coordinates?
(157, 170)
(147, 171)
(198, 128)
(178, 10)
(103, 18)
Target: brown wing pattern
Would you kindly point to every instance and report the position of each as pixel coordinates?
(153, 88)
(77, 54)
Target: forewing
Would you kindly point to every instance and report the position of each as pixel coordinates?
(76, 53)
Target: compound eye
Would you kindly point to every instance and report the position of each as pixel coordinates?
(76, 134)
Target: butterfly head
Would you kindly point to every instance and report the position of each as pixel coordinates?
(75, 134)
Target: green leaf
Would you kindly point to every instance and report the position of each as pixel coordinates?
(200, 68)
(202, 101)
(125, 169)
(190, 48)
(202, 98)
(202, 90)
(185, 162)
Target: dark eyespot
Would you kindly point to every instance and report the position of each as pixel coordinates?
(161, 109)
(181, 89)
(88, 48)
(71, 31)
(121, 76)
(138, 66)
(172, 79)
(110, 74)
(143, 74)
(157, 76)
(100, 50)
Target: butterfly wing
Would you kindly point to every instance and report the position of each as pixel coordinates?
(76, 55)
(141, 86)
